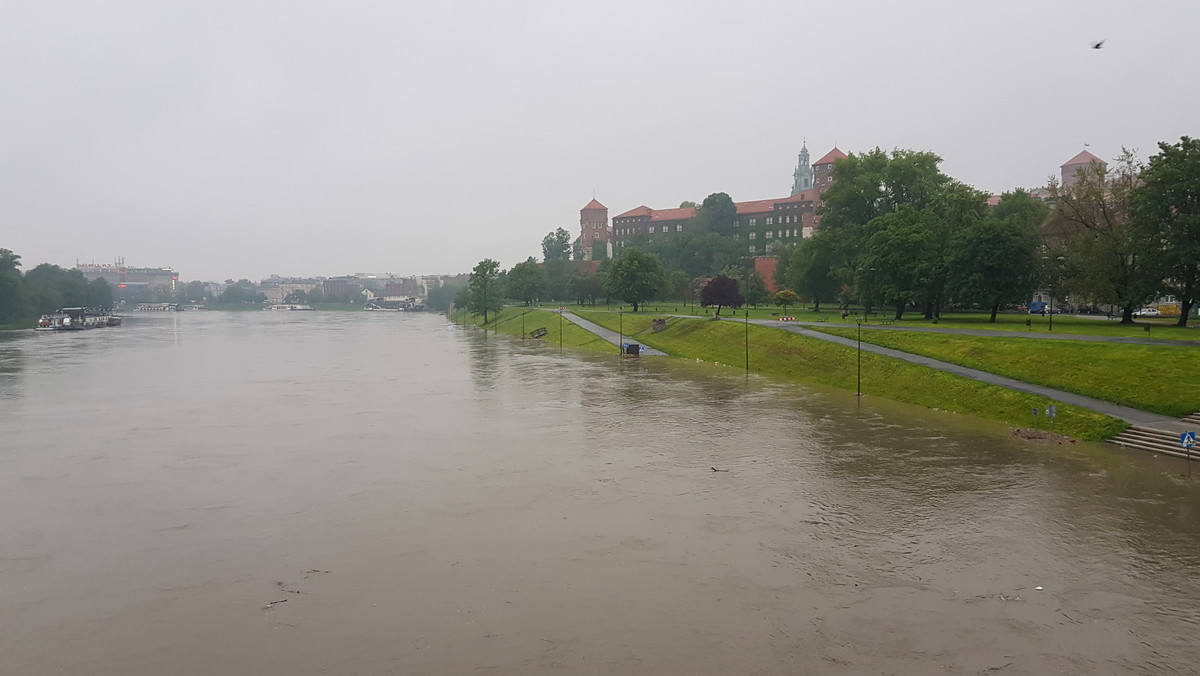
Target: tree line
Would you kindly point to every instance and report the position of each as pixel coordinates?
(44, 289)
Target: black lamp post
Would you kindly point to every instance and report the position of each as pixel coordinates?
(747, 340)
(620, 332)
(858, 320)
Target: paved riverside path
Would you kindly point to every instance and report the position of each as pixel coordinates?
(611, 336)
(1130, 415)
(999, 333)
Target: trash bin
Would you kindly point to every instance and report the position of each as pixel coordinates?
(633, 349)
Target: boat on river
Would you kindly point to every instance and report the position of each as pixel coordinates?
(77, 319)
(288, 307)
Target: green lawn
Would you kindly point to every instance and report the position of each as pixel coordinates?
(1157, 378)
(511, 322)
(789, 356)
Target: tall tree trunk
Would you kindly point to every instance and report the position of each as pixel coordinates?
(995, 309)
(1127, 315)
(899, 310)
(1185, 307)
(816, 305)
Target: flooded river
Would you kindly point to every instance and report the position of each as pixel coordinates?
(373, 493)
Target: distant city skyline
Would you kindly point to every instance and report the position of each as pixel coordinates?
(231, 140)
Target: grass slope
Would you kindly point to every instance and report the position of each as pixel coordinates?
(508, 321)
(1156, 378)
(790, 356)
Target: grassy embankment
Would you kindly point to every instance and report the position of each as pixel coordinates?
(1156, 378)
(509, 321)
(789, 356)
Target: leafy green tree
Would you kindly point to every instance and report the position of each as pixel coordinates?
(299, 296)
(716, 214)
(811, 269)
(1166, 220)
(635, 276)
(99, 294)
(894, 256)
(12, 287)
(686, 203)
(589, 288)
(440, 297)
(721, 291)
(1104, 259)
(51, 287)
(556, 246)
(785, 298)
(193, 292)
(527, 281)
(756, 290)
(696, 254)
(599, 250)
(242, 291)
(486, 289)
(993, 262)
(1020, 207)
(560, 279)
(577, 249)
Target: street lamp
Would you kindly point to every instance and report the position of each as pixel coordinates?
(620, 331)
(1057, 263)
(747, 341)
(858, 320)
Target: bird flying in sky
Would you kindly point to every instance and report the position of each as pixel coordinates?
(1098, 45)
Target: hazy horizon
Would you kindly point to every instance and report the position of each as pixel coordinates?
(240, 140)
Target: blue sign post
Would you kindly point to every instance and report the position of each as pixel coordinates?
(1187, 440)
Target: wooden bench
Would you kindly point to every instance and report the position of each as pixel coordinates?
(538, 333)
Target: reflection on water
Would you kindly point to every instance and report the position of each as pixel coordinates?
(379, 492)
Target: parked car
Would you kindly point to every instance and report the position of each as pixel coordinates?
(1147, 312)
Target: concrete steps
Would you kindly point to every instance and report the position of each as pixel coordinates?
(1155, 441)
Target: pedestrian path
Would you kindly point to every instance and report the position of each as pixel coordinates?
(999, 333)
(1132, 416)
(610, 336)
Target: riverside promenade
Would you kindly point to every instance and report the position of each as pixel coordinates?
(1132, 416)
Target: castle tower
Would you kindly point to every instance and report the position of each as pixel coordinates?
(802, 179)
(1070, 170)
(593, 227)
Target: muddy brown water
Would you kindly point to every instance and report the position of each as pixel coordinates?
(335, 493)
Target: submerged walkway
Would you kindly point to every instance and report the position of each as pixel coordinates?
(1132, 416)
(610, 336)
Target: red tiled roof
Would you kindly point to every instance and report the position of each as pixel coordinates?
(1084, 157)
(594, 205)
(830, 156)
(672, 214)
(636, 211)
(993, 201)
(802, 196)
(755, 207)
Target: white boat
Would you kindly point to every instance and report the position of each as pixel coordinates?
(287, 307)
(77, 319)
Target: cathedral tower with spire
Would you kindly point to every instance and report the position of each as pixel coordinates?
(802, 179)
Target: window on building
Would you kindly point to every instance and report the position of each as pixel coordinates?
(751, 248)
(770, 234)
(652, 230)
(751, 236)
(736, 222)
(753, 222)
(770, 220)
(779, 233)
(679, 227)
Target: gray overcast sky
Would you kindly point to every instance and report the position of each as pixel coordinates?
(241, 139)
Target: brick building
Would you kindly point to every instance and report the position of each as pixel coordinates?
(593, 227)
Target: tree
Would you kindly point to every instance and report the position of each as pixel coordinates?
(686, 203)
(716, 214)
(589, 288)
(241, 291)
(635, 276)
(560, 279)
(756, 290)
(485, 289)
(193, 292)
(721, 291)
(99, 294)
(556, 246)
(51, 287)
(599, 250)
(1166, 220)
(577, 249)
(12, 287)
(1104, 259)
(299, 296)
(441, 297)
(785, 298)
(527, 281)
(993, 262)
(894, 266)
(811, 269)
